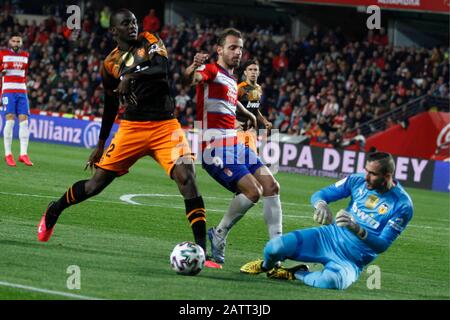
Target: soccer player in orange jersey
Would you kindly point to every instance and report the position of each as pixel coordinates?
(249, 94)
(136, 74)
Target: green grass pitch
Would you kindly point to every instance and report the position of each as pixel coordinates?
(123, 250)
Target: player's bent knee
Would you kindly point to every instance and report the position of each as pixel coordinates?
(338, 280)
(254, 194)
(274, 187)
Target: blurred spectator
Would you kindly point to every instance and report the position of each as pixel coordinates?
(105, 15)
(151, 22)
(324, 85)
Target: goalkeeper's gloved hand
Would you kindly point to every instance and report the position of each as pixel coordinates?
(322, 214)
(345, 219)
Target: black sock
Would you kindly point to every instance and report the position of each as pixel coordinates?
(196, 214)
(73, 195)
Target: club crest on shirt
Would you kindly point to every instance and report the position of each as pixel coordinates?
(383, 208)
(228, 172)
(372, 201)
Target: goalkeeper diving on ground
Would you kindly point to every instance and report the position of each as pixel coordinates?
(378, 212)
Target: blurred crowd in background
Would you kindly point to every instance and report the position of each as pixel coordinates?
(323, 85)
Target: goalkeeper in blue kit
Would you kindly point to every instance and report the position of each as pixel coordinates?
(379, 210)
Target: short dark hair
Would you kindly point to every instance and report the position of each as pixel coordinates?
(249, 62)
(15, 34)
(385, 159)
(228, 32)
(113, 18)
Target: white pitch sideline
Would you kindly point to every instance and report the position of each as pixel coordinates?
(51, 292)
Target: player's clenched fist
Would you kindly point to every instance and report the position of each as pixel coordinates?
(322, 214)
(199, 59)
(346, 220)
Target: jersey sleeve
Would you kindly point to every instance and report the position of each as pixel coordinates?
(208, 72)
(394, 227)
(109, 82)
(111, 106)
(155, 45)
(241, 90)
(339, 190)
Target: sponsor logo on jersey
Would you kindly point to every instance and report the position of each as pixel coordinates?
(17, 65)
(365, 217)
(252, 105)
(372, 201)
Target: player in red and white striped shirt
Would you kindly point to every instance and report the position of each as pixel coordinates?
(14, 68)
(230, 163)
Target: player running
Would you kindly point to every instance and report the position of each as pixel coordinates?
(13, 88)
(378, 212)
(249, 94)
(230, 163)
(136, 72)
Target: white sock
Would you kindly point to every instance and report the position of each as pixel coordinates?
(238, 207)
(24, 136)
(273, 215)
(8, 136)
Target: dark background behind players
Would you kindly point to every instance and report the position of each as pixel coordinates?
(323, 85)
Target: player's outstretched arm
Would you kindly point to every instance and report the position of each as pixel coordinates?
(190, 77)
(111, 107)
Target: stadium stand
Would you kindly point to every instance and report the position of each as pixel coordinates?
(328, 88)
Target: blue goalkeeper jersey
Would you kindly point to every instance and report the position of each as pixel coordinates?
(384, 216)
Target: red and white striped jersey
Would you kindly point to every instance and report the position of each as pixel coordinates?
(16, 67)
(216, 102)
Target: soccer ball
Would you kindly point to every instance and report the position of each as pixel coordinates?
(187, 258)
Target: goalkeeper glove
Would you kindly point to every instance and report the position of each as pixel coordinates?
(322, 214)
(345, 219)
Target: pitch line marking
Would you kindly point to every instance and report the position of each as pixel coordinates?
(52, 292)
(179, 207)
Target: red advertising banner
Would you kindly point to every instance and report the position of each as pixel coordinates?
(427, 136)
(438, 6)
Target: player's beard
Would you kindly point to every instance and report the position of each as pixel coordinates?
(232, 62)
(15, 49)
(379, 185)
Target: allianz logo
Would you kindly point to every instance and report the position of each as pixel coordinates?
(365, 217)
(47, 130)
